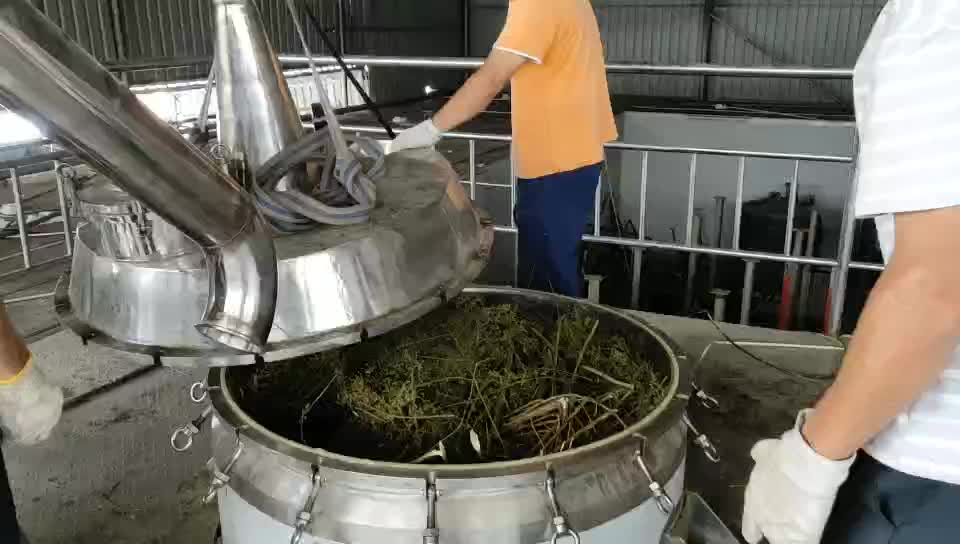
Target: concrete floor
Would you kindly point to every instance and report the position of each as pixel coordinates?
(108, 473)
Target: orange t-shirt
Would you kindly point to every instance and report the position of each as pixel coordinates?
(561, 104)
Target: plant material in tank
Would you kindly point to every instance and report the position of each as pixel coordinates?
(468, 383)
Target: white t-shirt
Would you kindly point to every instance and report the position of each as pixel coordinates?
(907, 92)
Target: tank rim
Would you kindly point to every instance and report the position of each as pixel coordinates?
(653, 425)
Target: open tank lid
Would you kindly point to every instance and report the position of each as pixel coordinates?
(337, 285)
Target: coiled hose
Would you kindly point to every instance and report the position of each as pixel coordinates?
(345, 192)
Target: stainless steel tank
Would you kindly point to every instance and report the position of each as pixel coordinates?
(123, 229)
(621, 489)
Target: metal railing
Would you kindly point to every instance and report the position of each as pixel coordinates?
(470, 63)
(24, 229)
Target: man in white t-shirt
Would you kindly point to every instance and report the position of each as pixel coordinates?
(878, 459)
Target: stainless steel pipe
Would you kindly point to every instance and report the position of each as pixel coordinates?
(58, 86)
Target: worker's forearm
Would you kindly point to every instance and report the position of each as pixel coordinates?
(904, 342)
(13, 350)
(475, 95)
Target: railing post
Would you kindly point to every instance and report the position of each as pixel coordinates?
(513, 215)
(64, 208)
(21, 218)
(641, 233)
(738, 207)
(844, 255)
(473, 170)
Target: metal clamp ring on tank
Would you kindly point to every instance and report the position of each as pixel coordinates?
(664, 502)
(561, 527)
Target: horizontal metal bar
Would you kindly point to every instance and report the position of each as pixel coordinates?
(867, 266)
(469, 63)
(633, 147)
(458, 63)
(5, 166)
(202, 83)
(38, 248)
(650, 244)
(34, 266)
(484, 184)
(28, 298)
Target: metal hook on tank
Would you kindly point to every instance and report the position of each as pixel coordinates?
(702, 440)
(182, 438)
(222, 478)
(560, 526)
(200, 390)
(663, 500)
(431, 535)
(306, 513)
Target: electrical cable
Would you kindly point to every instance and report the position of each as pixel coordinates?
(337, 54)
(810, 378)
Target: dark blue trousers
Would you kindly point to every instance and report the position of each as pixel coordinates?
(552, 215)
(881, 505)
(9, 531)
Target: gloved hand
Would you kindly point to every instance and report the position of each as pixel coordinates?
(791, 491)
(426, 134)
(30, 407)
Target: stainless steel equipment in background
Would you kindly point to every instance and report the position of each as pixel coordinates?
(125, 229)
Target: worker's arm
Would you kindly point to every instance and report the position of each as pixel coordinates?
(13, 350)
(29, 405)
(904, 341)
(527, 37)
(475, 95)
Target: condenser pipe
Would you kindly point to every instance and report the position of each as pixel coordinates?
(60, 87)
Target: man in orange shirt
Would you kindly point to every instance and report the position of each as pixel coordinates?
(550, 51)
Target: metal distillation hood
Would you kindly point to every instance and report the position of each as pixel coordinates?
(235, 289)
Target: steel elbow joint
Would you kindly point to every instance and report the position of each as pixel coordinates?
(243, 289)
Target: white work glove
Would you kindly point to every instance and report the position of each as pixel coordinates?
(30, 407)
(791, 491)
(425, 134)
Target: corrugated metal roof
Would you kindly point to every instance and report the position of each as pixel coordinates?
(744, 32)
(809, 33)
